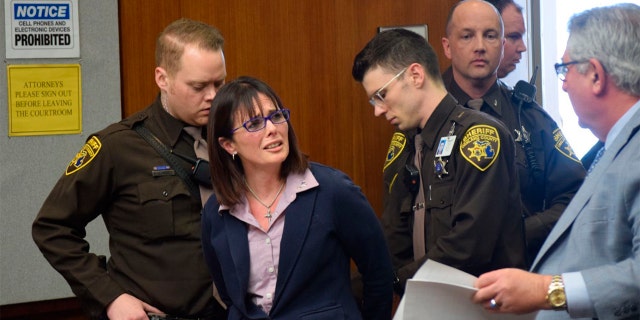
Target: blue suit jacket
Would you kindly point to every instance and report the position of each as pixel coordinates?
(599, 232)
(325, 227)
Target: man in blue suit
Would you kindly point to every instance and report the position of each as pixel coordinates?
(589, 266)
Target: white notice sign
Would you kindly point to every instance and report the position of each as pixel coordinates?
(41, 29)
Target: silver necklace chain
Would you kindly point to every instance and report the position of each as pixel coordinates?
(268, 215)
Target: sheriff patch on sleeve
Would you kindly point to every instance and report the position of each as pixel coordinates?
(563, 146)
(85, 155)
(480, 146)
(398, 142)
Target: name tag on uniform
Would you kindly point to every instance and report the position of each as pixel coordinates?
(445, 146)
(160, 171)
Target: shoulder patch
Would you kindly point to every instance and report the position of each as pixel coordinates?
(562, 145)
(480, 146)
(398, 142)
(85, 155)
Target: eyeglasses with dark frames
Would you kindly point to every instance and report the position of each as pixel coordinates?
(563, 68)
(258, 123)
(377, 98)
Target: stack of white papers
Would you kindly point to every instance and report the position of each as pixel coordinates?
(440, 292)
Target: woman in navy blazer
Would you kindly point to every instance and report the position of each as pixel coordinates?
(279, 233)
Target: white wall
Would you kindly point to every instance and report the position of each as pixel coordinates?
(552, 27)
(30, 166)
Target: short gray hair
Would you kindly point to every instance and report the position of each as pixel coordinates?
(612, 36)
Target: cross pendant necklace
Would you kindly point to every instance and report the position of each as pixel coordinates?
(268, 214)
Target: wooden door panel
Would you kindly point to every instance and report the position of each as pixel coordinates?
(304, 50)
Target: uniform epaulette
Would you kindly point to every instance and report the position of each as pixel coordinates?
(124, 124)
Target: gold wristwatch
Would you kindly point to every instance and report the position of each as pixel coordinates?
(556, 296)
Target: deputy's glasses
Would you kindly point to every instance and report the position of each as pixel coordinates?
(563, 68)
(378, 97)
(258, 123)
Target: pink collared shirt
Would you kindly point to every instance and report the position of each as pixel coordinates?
(264, 247)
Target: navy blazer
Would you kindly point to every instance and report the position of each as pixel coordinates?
(325, 228)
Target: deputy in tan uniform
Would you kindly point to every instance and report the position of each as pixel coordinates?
(459, 203)
(151, 213)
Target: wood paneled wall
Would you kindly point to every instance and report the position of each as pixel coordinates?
(304, 50)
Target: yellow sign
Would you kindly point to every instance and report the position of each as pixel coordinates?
(44, 99)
